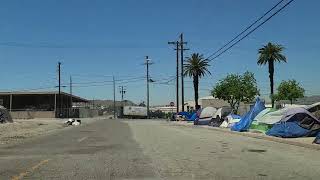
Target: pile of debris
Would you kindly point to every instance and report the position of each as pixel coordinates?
(72, 122)
(5, 116)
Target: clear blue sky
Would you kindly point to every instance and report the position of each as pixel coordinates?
(93, 38)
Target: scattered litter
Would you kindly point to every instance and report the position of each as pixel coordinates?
(72, 122)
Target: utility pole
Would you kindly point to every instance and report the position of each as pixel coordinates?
(177, 73)
(114, 98)
(60, 100)
(70, 110)
(122, 92)
(182, 71)
(147, 63)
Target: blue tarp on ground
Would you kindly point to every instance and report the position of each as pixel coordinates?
(193, 117)
(317, 140)
(189, 116)
(245, 122)
(185, 114)
(290, 129)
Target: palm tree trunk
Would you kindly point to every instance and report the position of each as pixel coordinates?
(196, 90)
(271, 73)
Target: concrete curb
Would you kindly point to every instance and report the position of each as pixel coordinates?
(253, 135)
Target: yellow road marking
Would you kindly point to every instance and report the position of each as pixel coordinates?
(23, 174)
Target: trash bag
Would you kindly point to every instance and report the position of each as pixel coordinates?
(72, 122)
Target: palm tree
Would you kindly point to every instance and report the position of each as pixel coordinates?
(196, 67)
(269, 54)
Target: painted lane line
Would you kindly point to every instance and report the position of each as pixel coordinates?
(82, 139)
(33, 168)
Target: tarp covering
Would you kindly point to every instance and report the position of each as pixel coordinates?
(245, 122)
(187, 115)
(5, 115)
(290, 129)
(296, 122)
(193, 117)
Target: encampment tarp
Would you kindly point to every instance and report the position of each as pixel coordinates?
(290, 129)
(298, 122)
(193, 117)
(245, 122)
(187, 115)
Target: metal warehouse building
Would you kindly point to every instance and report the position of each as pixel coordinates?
(27, 105)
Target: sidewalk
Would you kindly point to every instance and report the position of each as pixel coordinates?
(305, 142)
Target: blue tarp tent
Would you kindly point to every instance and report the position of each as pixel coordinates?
(290, 129)
(245, 122)
(301, 124)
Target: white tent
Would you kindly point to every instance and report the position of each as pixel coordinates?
(222, 112)
(208, 112)
(229, 121)
(270, 116)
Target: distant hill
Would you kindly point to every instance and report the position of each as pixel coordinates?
(305, 100)
(109, 103)
(308, 100)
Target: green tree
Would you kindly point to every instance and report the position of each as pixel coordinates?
(289, 90)
(269, 54)
(196, 66)
(236, 88)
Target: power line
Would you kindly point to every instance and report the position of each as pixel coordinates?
(110, 81)
(248, 27)
(266, 20)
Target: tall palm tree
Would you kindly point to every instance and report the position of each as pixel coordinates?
(196, 66)
(269, 54)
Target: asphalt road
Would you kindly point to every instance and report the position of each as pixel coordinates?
(141, 149)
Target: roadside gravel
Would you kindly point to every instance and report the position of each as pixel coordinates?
(22, 129)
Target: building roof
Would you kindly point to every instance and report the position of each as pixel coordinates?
(75, 98)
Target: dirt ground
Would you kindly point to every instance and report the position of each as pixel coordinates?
(21, 129)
